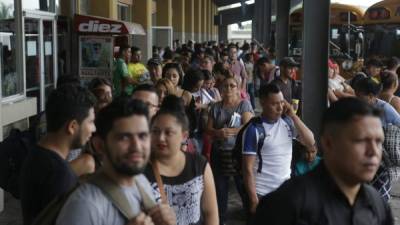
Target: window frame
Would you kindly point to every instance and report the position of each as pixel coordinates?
(20, 70)
(129, 11)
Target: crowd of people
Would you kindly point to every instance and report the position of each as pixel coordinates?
(164, 139)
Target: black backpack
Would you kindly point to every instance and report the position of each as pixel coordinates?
(13, 151)
(237, 150)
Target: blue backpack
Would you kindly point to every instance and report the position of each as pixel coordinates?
(237, 150)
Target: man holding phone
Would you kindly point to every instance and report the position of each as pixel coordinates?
(281, 125)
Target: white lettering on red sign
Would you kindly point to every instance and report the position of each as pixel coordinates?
(96, 26)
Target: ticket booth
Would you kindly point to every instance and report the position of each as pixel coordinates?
(98, 39)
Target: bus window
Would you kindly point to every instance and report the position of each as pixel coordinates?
(335, 34)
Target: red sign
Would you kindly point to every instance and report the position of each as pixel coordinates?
(100, 25)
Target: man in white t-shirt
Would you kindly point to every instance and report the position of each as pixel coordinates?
(124, 139)
(281, 125)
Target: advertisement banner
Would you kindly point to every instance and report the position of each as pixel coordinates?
(95, 56)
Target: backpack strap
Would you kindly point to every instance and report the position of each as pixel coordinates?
(260, 142)
(290, 123)
(114, 193)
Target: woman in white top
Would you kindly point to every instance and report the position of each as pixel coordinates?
(337, 87)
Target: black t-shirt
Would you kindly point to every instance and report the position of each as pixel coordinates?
(315, 198)
(44, 175)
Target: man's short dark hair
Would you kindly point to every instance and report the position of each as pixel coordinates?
(344, 110)
(393, 63)
(232, 45)
(368, 86)
(145, 87)
(168, 54)
(374, 62)
(66, 103)
(122, 49)
(99, 81)
(135, 49)
(263, 60)
(121, 107)
(268, 89)
(68, 79)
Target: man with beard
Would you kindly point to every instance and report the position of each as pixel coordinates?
(123, 137)
(45, 173)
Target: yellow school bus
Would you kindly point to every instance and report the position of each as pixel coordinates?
(382, 29)
(346, 35)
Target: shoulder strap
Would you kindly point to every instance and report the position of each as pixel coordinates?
(148, 202)
(290, 123)
(114, 193)
(260, 142)
(159, 181)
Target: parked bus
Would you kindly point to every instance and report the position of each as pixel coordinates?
(382, 28)
(346, 34)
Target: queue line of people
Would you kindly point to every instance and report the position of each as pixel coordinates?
(151, 133)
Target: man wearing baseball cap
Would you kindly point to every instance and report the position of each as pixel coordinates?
(285, 81)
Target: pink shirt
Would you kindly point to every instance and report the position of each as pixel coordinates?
(238, 70)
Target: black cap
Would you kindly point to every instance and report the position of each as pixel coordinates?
(154, 62)
(289, 62)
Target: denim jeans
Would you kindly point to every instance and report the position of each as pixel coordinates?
(250, 90)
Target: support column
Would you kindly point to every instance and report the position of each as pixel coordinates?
(216, 28)
(178, 19)
(223, 33)
(267, 22)
(142, 10)
(164, 13)
(257, 20)
(315, 62)
(189, 19)
(205, 20)
(282, 29)
(212, 28)
(210, 20)
(197, 20)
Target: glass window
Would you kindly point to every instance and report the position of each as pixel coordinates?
(42, 5)
(124, 12)
(12, 83)
(84, 7)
